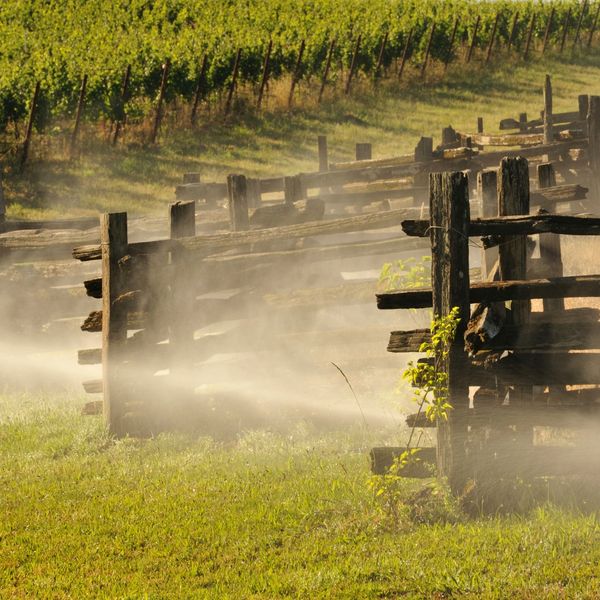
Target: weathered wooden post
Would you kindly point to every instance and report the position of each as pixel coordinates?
(233, 83)
(265, 74)
(353, 64)
(292, 189)
(473, 40)
(579, 23)
(113, 240)
(513, 32)
(449, 136)
(253, 193)
(29, 131)
(78, 115)
(479, 124)
(326, 70)
(523, 122)
(593, 27)
(296, 73)
(593, 127)
(565, 30)
(238, 202)
(529, 37)
(548, 131)
(550, 252)
(120, 120)
(363, 151)
(381, 56)
(582, 102)
(449, 233)
(323, 157)
(424, 150)
(199, 90)
(161, 99)
(487, 190)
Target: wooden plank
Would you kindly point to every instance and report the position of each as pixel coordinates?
(516, 225)
(500, 291)
(113, 236)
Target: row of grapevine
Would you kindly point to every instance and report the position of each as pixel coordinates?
(57, 42)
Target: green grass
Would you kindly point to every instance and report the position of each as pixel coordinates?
(141, 179)
(269, 516)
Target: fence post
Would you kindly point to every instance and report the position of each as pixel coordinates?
(29, 131)
(234, 76)
(474, 40)
(326, 70)
(582, 102)
(121, 108)
(238, 202)
(479, 124)
(405, 54)
(113, 238)
(265, 73)
(548, 131)
(323, 158)
(296, 73)
(253, 193)
(550, 252)
(199, 87)
(451, 44)
(78, 114)
(449, 234)
(487, 190)
(547, 32)
(593, 127)
(292, 189)
(424, 150)
(492, 39)
(161, 98)
(523, 122)
(363, 151)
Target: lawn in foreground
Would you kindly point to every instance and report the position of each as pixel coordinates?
(267, 516)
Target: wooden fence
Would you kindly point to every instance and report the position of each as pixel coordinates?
(508, 369)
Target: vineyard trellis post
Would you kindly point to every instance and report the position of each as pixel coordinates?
(593, 27)
(381, 56)
(451, 44)
(121, 106)
(78, 115)
(492, 39)
(29, 131)
(529, 37)
(579, 23)
(296, 73)
(428, 50)
(547, 31)
(199, 90)
(474, 39)
(405, 54)
(265, 74)
(233, 83)
(161, 98)
(565, 30)
(326, 70)
(353, 64)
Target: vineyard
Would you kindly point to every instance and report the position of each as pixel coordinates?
(210, 45)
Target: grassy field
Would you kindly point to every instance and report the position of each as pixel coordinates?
(141, 179)
(268, 516)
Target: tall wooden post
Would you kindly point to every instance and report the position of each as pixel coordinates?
(30, 121)
(326, 70)
(593, 127)
(529, 37)
(582, 103)
(428, 50)
(451, 44)
(199, 90)
(579, 23)
(120, 120)
(487, 190)
(161, 99)
(233, 83)
(323, 158)
(474, 39)
(238, 202)
(548, 131)
(353, 64)
(265, 74)
(113, 239)
(405, 54)
(593, 27)
(492, 39)
(78, 115)
(363, 151)
(381, 56)
(292, 189)
(548, 29)
(296, 73)
(449, 207)
(550, 251)
(565, 30)
(479, 124)
(513, 32)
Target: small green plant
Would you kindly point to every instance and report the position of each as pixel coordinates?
(407, 273)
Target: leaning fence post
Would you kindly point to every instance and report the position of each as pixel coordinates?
(363, 151)
(428, 50)
(78, 114)
(121, 107)
(529, 36)
(513, 32)
(113, 239)
(234, 76)
(161, 98)
(323, 158)
(547, 32)
(326, 70)
(353, 64)
(548, 131)
(296, 73)
(451, 44)
(199, 90)
(593, 127)
(550, 252)
(565, 30)
(474, 40)
(238, 202)
(265, 73)
(405, 54)
(449, 234)
(492, 39)
(29, 131)
(381, 55)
